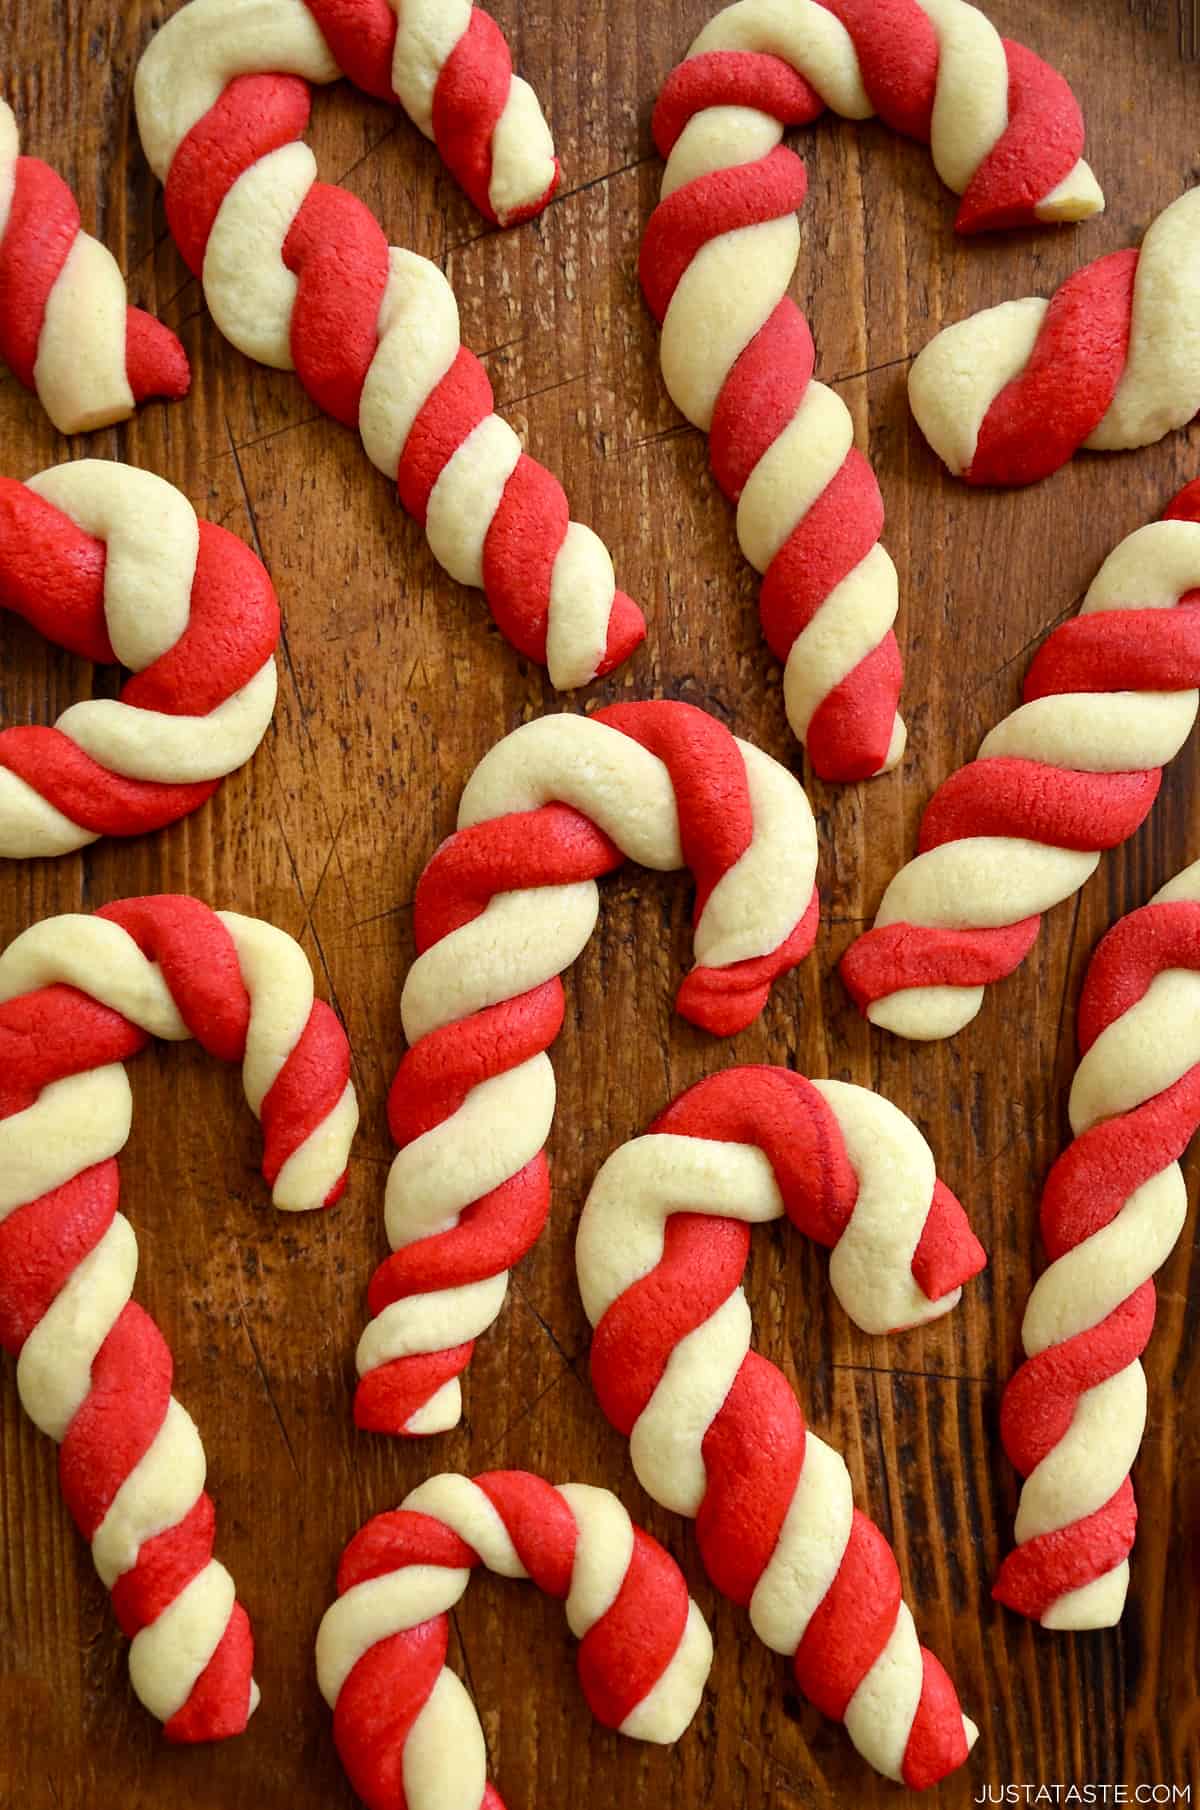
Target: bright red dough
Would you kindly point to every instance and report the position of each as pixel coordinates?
(541, 848)
(41, 230)
(754, 1450)
(1044, 415)
(620, 1658)
(58, 1031)
(1084, 1192)
(1110, 650)
(52, 574)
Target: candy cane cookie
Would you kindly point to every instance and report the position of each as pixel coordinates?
(406, 1730)
(66, 330)
(78, 997)
(1110, 698)
(1113, 1207)
(299, 275)
(737, 356)
(113, 564)
(1111, 361)
(502, 909)
(717, 1433)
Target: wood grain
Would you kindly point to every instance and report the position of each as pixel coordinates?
(393, 685)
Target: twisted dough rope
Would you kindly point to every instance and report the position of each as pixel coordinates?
(1114, 1205)
(1109, 699)
(716, 1432)
(114, 564)
(405, 1728)
(1111, 361)
(66, 331)
(503, 907)
(737, 355)
(299, 276)
(78, 997)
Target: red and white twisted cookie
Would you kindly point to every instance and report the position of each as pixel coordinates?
(299, 275)
(1112, 360)
(66, 331)
(78, 997)
(502, 909)
(405, 1728)
(737, 355)
(1110, 698)
(113, 564)
(716, 1432)
(1114, 1205)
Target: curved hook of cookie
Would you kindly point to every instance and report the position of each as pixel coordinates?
(503, 908)
(66, 331)
(447, 63)
(1111, 361)
(716, 1432)
(1113, 1208)
(399, 1715)
(1110, 698)
(113, 563)
(78, 997)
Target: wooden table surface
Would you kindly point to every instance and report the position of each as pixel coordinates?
(393, 685)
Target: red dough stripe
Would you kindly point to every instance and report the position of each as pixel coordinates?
(116, 1424)
(98, 800)
(470, 96)
(852, 1623)
(937, 1740)
(1040, 145)
(1006, 797)
(337, 249)
(1048, 410)
(305, 1091)
(731, 78)
(701, 1266)
(684, 222)
(198, 961)
(218, 1704)
(540, 1526)
(232, 629)
(42, 223)
(52, 573)
(621, 1658)
(43, 1244)
(256, 114)
(1035, 1575)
